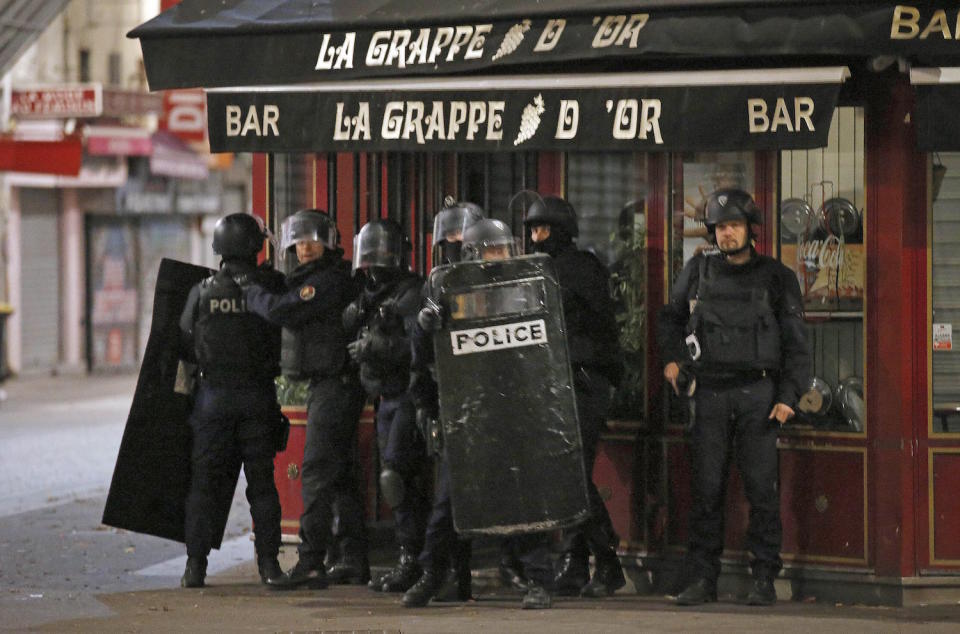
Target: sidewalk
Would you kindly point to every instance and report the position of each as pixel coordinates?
(235, 602)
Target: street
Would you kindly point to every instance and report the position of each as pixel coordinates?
(62, 570)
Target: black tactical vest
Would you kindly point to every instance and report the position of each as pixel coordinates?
(318, 349)
(233, 346)
(734, 321)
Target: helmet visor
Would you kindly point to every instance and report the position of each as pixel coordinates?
(375, 245)
(307, 227)
(449, 224)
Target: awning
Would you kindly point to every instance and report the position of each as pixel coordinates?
(173, 157)
(209, 43)
(61, 157)
(692, 110)
(21, 23)
(936, 116)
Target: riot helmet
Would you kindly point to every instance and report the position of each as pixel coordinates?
(448, 228)
(378, 245)
(726, 205)
(488, 239)
(555, 212)
(238, 236)
(308, 224)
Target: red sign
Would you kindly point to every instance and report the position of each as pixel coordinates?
(117, 141)
(185, 114)
(43, 157)
(81, 100)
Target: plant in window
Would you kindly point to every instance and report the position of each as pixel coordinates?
(628, 276)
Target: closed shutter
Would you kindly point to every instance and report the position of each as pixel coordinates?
(40, 279)
(599, 185)
(946, 280)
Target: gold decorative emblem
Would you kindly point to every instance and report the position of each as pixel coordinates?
(293, 471)
(307, 293)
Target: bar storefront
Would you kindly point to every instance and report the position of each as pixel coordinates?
(838, 117)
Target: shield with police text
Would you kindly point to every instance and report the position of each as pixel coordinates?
(507, 404)
(152, 475)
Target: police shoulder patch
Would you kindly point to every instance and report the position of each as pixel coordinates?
(307, 293)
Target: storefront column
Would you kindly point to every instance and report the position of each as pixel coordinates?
(14, 286)
(896, 328)
(72, 274)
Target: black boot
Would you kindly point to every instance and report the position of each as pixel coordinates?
(270, 571)
(762, 592)
(406, 573)
(423, 590)
(302, 575)
(700, 591)
(607, 578)
(536, 598)
(195, 573)
(572, 576)
(511, 573)
(351, 569)
(457, 585)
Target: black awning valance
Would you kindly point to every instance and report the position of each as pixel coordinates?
(213, 43)
(936, 117)
(691, 110)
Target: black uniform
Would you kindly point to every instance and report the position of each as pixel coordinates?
(749, 324)
(595, 358)
(314, 348)
(236, 415)
(387, 312)
(441, 548)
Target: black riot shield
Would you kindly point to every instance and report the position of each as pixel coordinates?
(152, 474)
(507, 405)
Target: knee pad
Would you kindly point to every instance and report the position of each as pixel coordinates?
(392, 487)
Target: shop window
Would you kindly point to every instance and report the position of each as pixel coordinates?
(699, 175)
(292, 188)
(492, 180)
(945, 281)
(608, 192)
(820, 224)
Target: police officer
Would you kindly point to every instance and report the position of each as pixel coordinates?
(442, 549)
(597, 365)
(314, 348)
(235, 417)
(382, 320)
(735, 319)
(491, 240)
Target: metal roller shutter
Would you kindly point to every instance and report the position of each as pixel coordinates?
(40, 277)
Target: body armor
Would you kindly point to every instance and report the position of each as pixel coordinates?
(736, 325)
(232, 345)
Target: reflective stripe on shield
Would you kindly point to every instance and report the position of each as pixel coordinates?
(507, 405)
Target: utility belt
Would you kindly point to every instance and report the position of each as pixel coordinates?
(732, 378)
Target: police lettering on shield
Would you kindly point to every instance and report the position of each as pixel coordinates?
(525, 333)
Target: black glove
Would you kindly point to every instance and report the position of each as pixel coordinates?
(353, 316)
(430, 318)
(356, 349)
(282, 432)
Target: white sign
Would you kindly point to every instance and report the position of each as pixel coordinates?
(524, 333)
(943, 336)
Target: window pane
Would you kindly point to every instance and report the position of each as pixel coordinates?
(292, 190)
(946, 292)
(821, 231)
(701, 174)
(608, 192)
